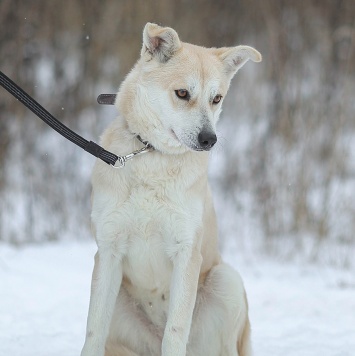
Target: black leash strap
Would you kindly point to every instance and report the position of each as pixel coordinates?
(49, 119)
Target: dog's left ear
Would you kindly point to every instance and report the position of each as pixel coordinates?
(160, 42)
(234, 58)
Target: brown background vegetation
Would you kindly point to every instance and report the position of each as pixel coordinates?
(298, 105)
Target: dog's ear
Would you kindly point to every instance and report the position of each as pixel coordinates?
(234, 58)
(159, 42)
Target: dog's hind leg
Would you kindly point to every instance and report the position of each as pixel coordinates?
(220, 323)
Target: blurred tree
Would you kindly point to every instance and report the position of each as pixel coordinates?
(65, 53)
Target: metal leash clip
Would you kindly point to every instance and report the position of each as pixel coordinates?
(121, 161)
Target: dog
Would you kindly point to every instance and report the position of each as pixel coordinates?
(159, 286)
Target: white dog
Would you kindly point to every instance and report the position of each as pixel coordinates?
(159, 286)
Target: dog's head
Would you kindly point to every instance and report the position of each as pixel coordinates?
(173, 96)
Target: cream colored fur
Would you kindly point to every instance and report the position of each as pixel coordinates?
(159, 286)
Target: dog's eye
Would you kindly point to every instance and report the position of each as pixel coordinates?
(182, 94)
(217, 99)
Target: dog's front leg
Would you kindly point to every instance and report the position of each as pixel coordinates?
(183, 289)
(106, 282)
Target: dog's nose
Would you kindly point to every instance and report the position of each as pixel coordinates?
(207, 139)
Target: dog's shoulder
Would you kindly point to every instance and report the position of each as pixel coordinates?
(117, 137)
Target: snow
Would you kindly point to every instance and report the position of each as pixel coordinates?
(295, 308)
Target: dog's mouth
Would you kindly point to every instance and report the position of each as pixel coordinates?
(200, 145)
(173, 134)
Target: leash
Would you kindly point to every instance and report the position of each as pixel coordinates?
(89, 146)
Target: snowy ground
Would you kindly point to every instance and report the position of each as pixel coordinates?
(295, 309)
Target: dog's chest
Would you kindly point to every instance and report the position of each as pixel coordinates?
(154, 219)
(152, 230)
(146, 263)
(148, 216)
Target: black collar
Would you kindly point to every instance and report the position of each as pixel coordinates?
(145, 143)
